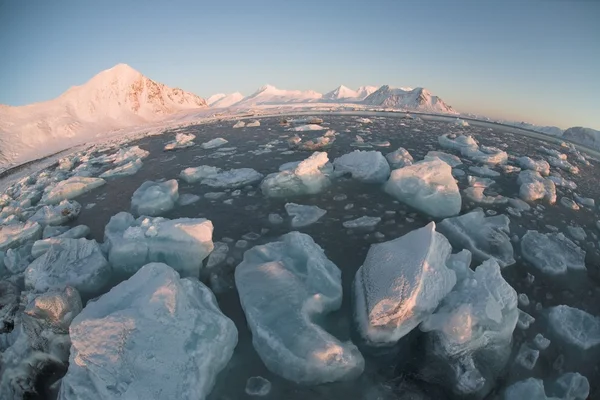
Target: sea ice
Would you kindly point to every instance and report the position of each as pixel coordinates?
(562, 182)
(584, 201)
(563, 164)
(187, 199)
(540, 166)
(485, 237)
(464, 144)
(155, 198)
(484, 171)
(15, 235)
(74, 262)
(233, 178)
(58, 214)
(182, 243)
(192, 175)
(364, 166)
(70, 188)
(400, 283)
(239, 124)
(535, 187)
(541, 342)
(130, 168)
(527, 357)
(574, 327)
(449, 159)
(569, 203)
(399, 158)
(211, 144)
(427, 186)
(310, 177)
(309, 127)
(294, 275)
(476, 195)
(253, 124)
(552, 253)
(303, 215)
(477, 181)
(154, 336)
(577, 232)
(257, 386)
(181, 142)
(362, 222)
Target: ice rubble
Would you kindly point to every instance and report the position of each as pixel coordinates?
(192, 175)
(471, 332)
(400, 283)
(563, 164)
(182, 243)
(309, 127)
(239, 124)
(155, 198)
(540, 166)
(18, 259)
(468, 147)
(399, 158)
(15, 235)
(364, 166)
(295, 275)
(569, 386)
(58, 214)
(122, 156)
(41, 246)
(484, 171)
(181, 142)
(476, 195)
(485, 237)
(552, 253)
(310, 177)
(362, 222)
(449, 159)
(574, 327)
(303, 215)
(152, 336)
(74, 262)
(213, 143)
(535, 187)
(70, 188)
(257, 386)
(130, 168)
(427, 186)
(233, 178)
(560, 181)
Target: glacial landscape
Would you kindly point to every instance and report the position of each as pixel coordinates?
(362, 244)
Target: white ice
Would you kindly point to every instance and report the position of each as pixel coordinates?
(284, 287)
(535, 187)
(182, 243)
(154, 336)
(400, 283)
(484, 171)
(476, 195)
(233, 178)
(569, 386)
(192, 175)
(213, 143)
(574, 327)
(311, 176)
(449, 159)
(399, 158)
(155, 198)
(562, 182)
(362, 222)
(552, 253)
(57, 214)
(364, 166)
(70, 188)
(239, 124)
(181, 142)
(15, 235)
(563, 164)
(127, 169)
(303, 215)
(427, 186)
(310, 127)
(540, 166)
(485, 237)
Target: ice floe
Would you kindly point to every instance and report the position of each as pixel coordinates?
(155, 198)
(399, 158)
(311, 176)
(303, 215)
(181, 142)
(364, 166)
(70, 188)
(552, 253)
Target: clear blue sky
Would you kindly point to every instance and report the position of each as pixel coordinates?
(537, 61)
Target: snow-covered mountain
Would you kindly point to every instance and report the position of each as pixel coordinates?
(406, 98)
(585, 136)
(115, 98)
(214, 98)
(225, 100)
(547, 130)
(270, 95)
(345, 94)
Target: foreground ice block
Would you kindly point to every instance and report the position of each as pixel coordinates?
(15, 235)
(74, 262)
(485, 237)
(182, 243)
(552, 253)
(469, 336)
(427, 186)
(364, 166)
(400, 284)
(540, 166)
(57, 214)
(310, 176)
(71, 188)
(399, 158)
(574, 327)
(155, 198)
(284, 287)
(569, 386)
(154, 336)
(535, 187)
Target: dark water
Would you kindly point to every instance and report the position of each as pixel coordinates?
(347, 249)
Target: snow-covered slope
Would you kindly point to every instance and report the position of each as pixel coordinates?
(411, 99)
(226, 101)
(585, 136)
(364, 91)
(115, 98)
(345, 94)
(214, 98)
(268, 94)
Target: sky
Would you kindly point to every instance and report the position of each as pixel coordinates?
(530, 60)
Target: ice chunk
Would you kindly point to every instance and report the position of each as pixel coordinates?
(15, 235)
(574, 327)
(218, 255)
(476, 195)
(155, 198)
(540, 166)
(295, 275)
(239, 124)
(187, 199)
(400, 283)
(530, 389)
(183, 243)
(476, 181)
(464, 144)
(233, 178)
(552, 253)
(560, 181)
(51, 231)
(569, 203)
(535, 187)
(364, 120)
(58, 214)
(519, 204)
(577, 232)
(75, 262)
(152, 336)
(275, 219)
(309, 127)
(18, 259)
(571, 386)
(130, 168)
(364, 166)
(258, 386)
(320, 143)
(253, 124)
(310, 177)
(399, 158)
(527, 357)
(362, 222)
(485, 237)
(525, 320)
(563, 164)
(56, 307)
(303, 215)
(460, 263)
(449, 159)
(191, 175)
(489, 155)
(71, 188)
(181, 142)
(523, 300)
(584, 201)
(427, 186)
(541, 342)
(471, 332)
(211, 144)
(484, 171)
